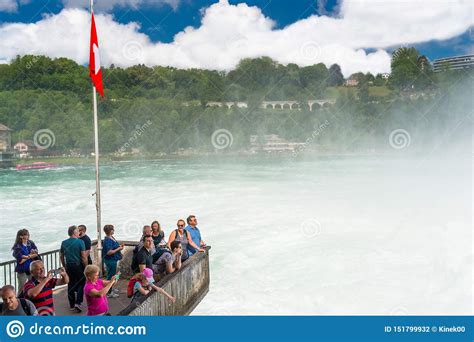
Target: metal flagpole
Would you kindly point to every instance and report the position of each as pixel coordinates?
(97, 176)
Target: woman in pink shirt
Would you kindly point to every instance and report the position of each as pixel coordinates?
(96, 290)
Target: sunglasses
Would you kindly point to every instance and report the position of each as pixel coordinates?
(180, 225)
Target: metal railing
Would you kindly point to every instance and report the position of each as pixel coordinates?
(50, 259)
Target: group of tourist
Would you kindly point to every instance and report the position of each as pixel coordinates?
(163, 257)
(152, 258)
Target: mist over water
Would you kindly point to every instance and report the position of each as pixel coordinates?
(334, 235)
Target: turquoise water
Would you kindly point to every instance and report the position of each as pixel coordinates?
(346, 235)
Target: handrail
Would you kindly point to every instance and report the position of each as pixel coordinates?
(50, 259)
(94, 242)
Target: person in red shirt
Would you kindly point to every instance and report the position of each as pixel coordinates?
(39, 289)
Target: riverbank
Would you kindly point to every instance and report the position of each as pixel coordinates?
(110, 159)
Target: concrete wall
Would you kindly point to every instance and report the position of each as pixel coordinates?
(189, 285)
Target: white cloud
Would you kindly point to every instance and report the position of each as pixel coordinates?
(12, 5)
(108, 5)
(8, 6)
(229, 33)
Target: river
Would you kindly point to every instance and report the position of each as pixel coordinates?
(333, 235)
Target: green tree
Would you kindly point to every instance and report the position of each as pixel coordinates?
(410, 71)
(336, 79)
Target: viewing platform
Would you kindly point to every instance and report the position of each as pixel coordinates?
(189, 286)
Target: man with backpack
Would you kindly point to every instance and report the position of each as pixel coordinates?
(169, 261)
(13, 306)
(143, 257)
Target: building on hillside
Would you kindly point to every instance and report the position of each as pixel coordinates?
(25, 148)
(272, 143)
(5, 138)
(453, 63)
(351, 82)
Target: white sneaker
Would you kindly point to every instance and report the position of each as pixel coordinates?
(112, 295)
(117, 291)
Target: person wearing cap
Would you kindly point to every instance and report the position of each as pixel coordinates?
(145, 283)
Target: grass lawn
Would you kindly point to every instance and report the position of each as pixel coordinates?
(377, 91)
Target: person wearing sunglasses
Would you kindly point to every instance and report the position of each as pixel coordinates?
(184, 237)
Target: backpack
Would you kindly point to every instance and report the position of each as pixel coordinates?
(22, 293)
(24, 306)
(131, 286)
(135, 250)
(159, 252)
(185, 254)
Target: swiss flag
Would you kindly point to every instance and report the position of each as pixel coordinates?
(94, 60)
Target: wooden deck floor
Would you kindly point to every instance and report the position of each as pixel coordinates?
(61, 304)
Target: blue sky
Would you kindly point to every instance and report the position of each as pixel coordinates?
(161, 20)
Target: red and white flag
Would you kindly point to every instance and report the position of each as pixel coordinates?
(94, 60)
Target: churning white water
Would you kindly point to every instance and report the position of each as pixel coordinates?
(353, 235)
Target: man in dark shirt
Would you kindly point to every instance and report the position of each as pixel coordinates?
(87, 241)
(143, 258)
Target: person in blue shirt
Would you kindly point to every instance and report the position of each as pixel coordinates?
(112, 254)
(195, 234)
(24, 251)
